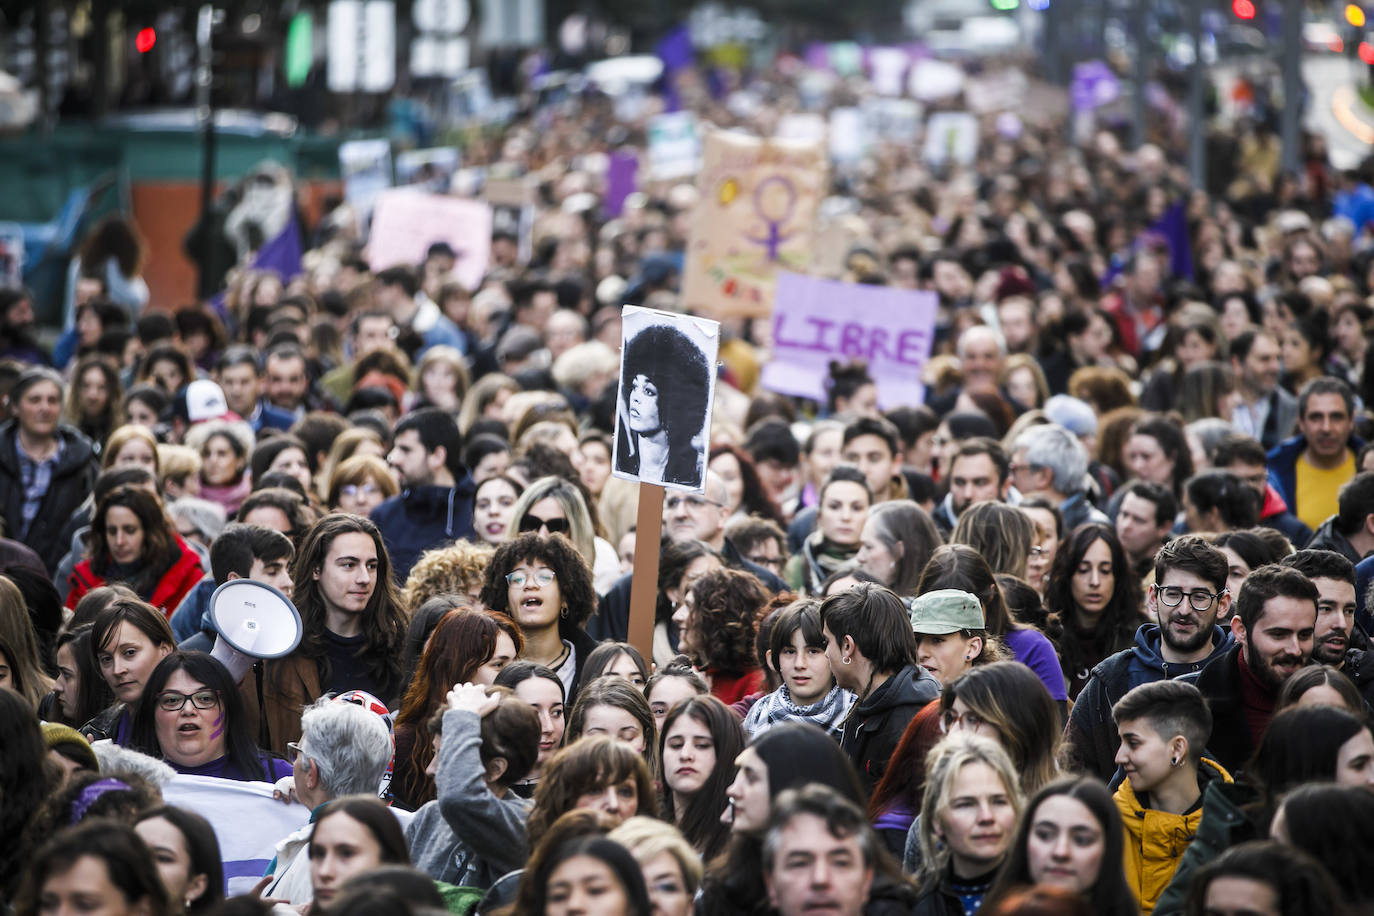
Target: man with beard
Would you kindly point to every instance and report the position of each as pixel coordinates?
(1274, 624)
(980, 472)
(1188, 595)
(1266, 412)
(1334, 577)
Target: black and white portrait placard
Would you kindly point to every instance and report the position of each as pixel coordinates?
(663, 410)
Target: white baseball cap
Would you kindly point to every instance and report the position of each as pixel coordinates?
(205, 401)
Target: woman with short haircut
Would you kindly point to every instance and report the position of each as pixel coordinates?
(961, 567)
(1070, 836)
(808, 693)
(133, 541)
(128, 640)
(544, 585)
(1095, 602)
(192, 717)
(93, 399)
(720, 626)
(1002, 534)
(441, 379)
(467, 647)
(224, 448)
(556, 506)
(840, 515)
(968, 818)
(872, 653)
(700, 741)
(896, 543)
(1303, 744)
(604, 774)
(672, 869)
(98, 865)
(187, 854)
(350, 836)
(610, 705)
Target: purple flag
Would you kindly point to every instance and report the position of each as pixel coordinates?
(1173, 228)
(620, 182)
(675, 50)
(283, 253)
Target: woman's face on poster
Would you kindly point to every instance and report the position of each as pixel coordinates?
(644, 416)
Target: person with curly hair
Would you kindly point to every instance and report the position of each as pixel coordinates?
(656, 434)
(544, 585)
(467, 647)
(719, 629)
(457, 569)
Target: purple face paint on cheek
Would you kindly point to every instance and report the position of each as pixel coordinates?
(219, 727)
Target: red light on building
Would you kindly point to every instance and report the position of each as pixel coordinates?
(145, 39)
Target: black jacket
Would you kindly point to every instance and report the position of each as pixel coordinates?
(876, 723)
(423, 518)
(1328, 538)
(1091, 733)
(1230, 744)
(72, 480)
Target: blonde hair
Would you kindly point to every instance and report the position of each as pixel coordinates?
(122, 437)
(581, 532)
(458, 569)
(177, 462)
(943, 765)
(648, 838)
(1018, 361)
(362, 469)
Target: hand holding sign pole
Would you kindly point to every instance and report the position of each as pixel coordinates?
(662, 429)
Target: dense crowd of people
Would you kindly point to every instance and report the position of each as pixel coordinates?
(1084, 631)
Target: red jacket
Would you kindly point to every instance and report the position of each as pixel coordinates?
(167, 594)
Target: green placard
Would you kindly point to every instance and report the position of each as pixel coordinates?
(300, 49)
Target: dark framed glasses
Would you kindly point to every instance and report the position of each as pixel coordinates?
(172, 701)
(1199, 599)
(534, 523)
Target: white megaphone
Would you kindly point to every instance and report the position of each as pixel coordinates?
(253, 621)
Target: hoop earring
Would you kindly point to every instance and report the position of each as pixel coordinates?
(564, 613)
(845, 659)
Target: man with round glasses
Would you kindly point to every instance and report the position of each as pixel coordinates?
(1187, 600)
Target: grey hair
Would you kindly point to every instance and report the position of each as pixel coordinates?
(206, 517)
(1209, 432)
(980, 330)
(1054, 447)
(350, 745)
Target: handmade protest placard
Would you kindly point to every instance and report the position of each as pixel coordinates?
(405, 222)
(663, 411)
(756, 216)
(816, 321)
(674, 146)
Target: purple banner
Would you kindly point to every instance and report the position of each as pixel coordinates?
(621, 181)
(816, 321)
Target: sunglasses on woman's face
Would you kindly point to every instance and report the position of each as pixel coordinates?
(534, 523)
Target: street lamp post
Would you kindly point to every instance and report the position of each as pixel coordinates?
(205, 111)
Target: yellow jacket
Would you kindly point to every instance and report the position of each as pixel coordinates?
(1155, 840)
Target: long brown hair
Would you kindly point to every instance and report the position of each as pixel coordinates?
(385, 629)
(160, 547)
(461, 643)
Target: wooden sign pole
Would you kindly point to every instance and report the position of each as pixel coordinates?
(644, 585)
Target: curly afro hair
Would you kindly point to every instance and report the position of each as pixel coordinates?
(450, 570)
(669, 359)
(558, 554)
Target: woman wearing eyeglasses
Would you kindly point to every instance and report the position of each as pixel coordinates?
(360, 484)
(544, 585)
(552, 505)
(192, 717)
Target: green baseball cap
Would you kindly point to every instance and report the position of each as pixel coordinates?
(946, 610)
